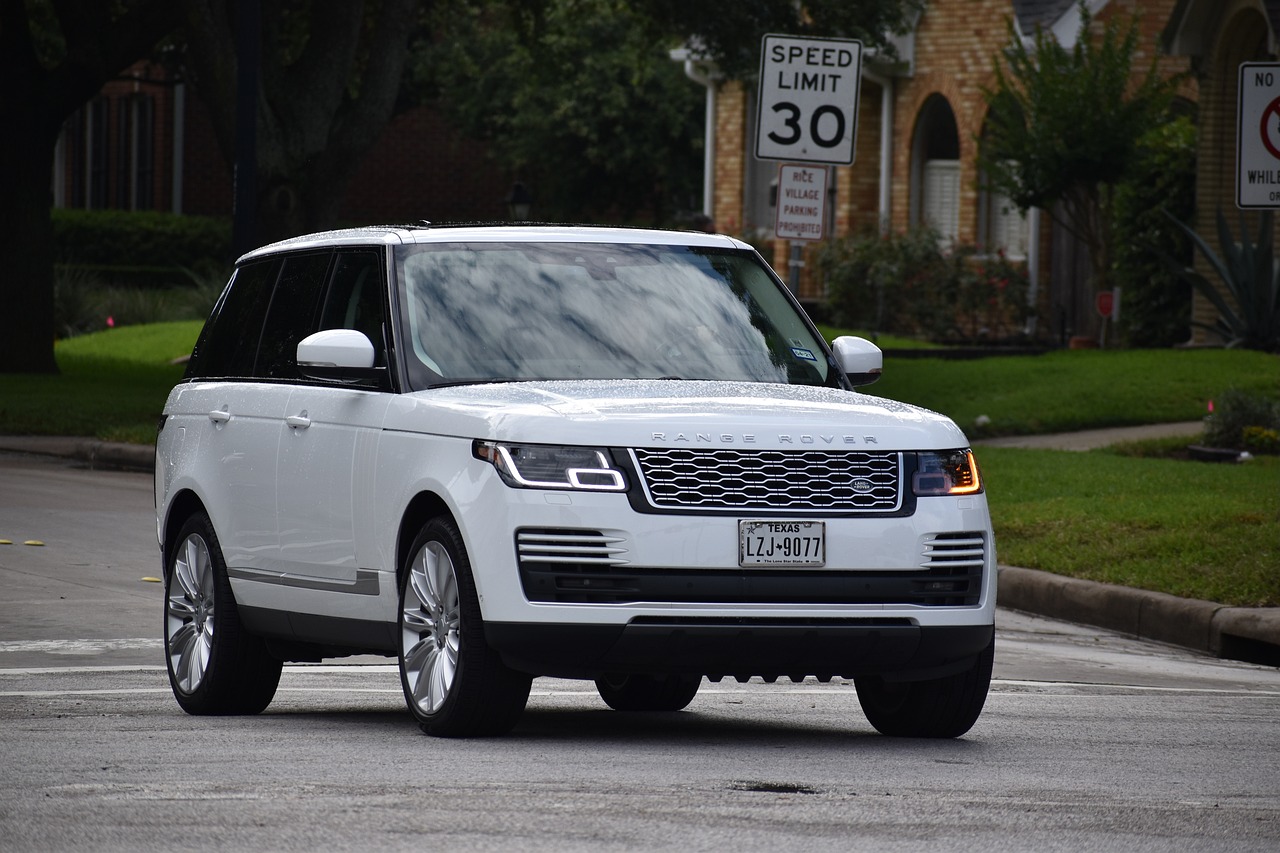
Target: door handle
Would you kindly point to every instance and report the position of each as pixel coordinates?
(299, 421)
(220, 416)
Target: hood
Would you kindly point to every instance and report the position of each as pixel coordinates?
(671, 413)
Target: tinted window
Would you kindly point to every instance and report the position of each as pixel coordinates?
(229, 341)
(291, 316)
(355, 298)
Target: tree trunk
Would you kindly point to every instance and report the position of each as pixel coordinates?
(26, 244)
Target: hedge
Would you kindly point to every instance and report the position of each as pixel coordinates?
(140, 247)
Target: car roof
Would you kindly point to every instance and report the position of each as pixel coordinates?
(386, 235)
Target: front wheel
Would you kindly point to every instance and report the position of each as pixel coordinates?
(215, 665)
(937, 708)
(648, 692)
(454, 684)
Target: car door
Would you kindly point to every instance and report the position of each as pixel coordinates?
(230, 421)
(331, 435)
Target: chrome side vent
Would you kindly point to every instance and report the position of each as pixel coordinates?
(570, 547)
(957, 551)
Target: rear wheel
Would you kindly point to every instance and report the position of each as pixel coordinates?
(937, 708)
(215, 665)
(648, 692)
(454, 684)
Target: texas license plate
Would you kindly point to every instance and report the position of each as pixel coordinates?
(782, 543)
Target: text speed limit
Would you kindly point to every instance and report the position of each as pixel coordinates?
(808, 107)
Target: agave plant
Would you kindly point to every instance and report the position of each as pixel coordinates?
(1249, 309)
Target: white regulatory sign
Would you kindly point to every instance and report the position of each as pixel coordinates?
(1258, 136)
(802, 202)
(808, 107)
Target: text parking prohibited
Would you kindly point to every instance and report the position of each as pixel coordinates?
(808, 106)
(1258, 136)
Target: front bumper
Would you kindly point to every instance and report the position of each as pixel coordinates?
(742, 647)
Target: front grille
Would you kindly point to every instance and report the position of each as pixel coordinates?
(801, 480)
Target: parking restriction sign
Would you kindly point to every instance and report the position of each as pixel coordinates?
(1258, 136)
(808, 106)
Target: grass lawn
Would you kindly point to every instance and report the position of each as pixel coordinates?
(112, 386)
(1193, 529)
(1187, 528)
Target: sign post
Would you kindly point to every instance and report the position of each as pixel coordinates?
(807, 112)
(1258, 136)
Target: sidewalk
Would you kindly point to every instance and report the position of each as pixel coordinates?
(1239, 633)
(1091, 439)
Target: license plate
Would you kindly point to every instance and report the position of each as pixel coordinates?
(782, 543)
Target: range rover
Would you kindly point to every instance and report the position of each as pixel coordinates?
(496, 453)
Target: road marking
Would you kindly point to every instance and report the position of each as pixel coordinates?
(80, 647)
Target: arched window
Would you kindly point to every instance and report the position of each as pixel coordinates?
(935, 169)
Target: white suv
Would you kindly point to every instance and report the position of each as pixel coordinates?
(504, 452)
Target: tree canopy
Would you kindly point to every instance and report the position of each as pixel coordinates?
(331, 79)
(581, 100)
(1064, 127)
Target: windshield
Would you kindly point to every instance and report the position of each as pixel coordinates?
(482, 312)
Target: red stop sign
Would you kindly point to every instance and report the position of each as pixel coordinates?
(1106, 302)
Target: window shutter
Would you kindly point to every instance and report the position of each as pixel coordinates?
(942, 197)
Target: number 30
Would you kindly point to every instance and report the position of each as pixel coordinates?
(792, 123)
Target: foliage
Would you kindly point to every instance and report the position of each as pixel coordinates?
(1064, 126)
(907, 284)
(729, 31)
(140, 238)
(1249, 311)
(1243, 420)
(327, 85)
(596, 134)
(1156, 302)
(84, 304)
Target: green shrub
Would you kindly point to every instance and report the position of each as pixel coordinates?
(143, 248)
(1258, 439)
(1156, 303)
(83, 303)
(907, 284)
(1243, 420)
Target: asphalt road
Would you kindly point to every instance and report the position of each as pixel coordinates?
(1089, 741)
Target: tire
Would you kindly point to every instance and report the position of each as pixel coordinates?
(454, 683)
(938, 708)
(215, 666)
(648, 692)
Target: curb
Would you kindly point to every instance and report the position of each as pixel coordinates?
(95, 453)
(1249, 634)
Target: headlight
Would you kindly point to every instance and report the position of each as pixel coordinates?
(548, 466)
(953, 472)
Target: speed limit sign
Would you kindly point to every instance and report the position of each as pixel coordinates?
(808, 107)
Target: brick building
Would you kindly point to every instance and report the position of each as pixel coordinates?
(920, 119)
(146, 143)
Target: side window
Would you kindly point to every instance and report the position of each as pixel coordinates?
(229, 341)
(291, 316)
(355, 298)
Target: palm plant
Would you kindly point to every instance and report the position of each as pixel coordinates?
(1248, 304)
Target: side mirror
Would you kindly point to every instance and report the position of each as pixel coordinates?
(861, 360)
(342, 355)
